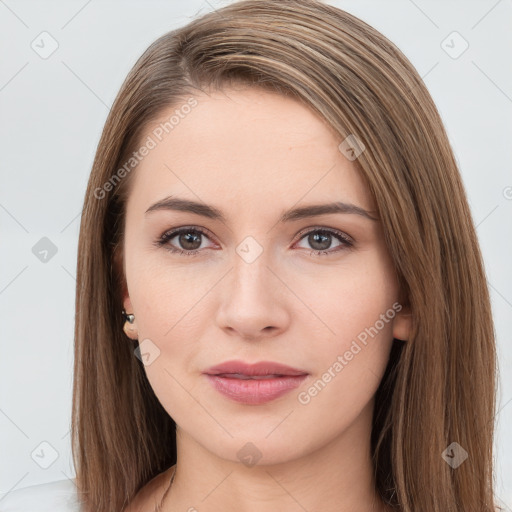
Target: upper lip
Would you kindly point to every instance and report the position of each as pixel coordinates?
(260, 368)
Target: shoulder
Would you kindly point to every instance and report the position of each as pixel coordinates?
(59, 496)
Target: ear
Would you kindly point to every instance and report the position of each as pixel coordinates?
(127, 303)
(129, 329)
(402, 324)
(116, 267)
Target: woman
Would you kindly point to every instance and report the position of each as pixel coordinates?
(333, 350)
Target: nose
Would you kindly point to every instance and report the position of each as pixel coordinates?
(253, 301)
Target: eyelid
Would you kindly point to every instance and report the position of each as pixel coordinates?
(338, 232)
(171, 233)
(346, 241)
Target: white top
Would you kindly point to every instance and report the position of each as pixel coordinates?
(60, 496)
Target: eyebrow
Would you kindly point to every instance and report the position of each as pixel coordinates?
(303, 212)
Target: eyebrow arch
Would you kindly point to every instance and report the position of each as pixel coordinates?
(185, 205)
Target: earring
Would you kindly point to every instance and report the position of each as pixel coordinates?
(128, 328)
(128, 317)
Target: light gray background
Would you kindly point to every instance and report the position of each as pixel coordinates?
(52, 114)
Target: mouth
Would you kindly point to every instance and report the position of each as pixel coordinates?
(242, 376)
(254, 384)
(262, 369)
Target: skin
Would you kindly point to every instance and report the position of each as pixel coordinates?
(254, 154)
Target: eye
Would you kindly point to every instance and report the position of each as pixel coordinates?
(187, 237)
(320, 239)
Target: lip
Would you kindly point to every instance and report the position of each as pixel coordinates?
(261, 368)
(239, 381)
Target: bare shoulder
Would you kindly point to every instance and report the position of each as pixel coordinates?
(151, 494)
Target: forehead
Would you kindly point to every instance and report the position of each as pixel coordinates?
(248, 144)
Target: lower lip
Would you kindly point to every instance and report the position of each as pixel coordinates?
(254, 391)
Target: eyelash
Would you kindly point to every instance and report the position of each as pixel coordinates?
(347, 243)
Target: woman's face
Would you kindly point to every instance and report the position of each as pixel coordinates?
(314, 292)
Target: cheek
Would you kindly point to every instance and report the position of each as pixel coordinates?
(347, 301)
(171, 318)
(357, 312)
(348, 370)
(163, 293)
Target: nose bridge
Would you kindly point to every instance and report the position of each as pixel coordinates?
(250, 273)
(250, 305)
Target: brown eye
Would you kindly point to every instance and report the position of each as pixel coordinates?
(188, 241)
(320, 240)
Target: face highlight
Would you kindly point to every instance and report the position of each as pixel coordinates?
(225, 258)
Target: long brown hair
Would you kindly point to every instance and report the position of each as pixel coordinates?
(439, 386)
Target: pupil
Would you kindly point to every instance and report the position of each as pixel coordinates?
(313, 239)
(191, 242)
(188, 240)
